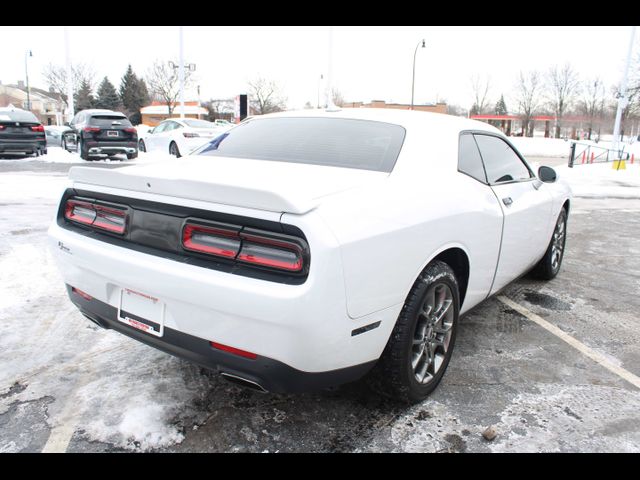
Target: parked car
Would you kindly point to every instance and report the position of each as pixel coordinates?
(21, 132)
(301, 249)
(55, 135)
(102, 133)
(179, 136)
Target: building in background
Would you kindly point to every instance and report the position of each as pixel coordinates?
(155, 113)
(434, 107)
(45, 105)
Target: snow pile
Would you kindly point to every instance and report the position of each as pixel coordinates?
(601, 180)
(541, 147)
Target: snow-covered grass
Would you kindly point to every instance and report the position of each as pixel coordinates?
(58, 155)
(558, 147)
(601, 180)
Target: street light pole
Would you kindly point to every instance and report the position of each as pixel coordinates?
(623, 101)
(26, 73)
(413, 79)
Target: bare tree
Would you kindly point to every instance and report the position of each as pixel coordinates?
(562, 85)
(336, 96)
(480, 88)
(164, 83)
(528, 98)
(592, 102)
(266, 96)
(56, 78)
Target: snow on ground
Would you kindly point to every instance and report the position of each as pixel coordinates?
(58, 155)
(600, 180)
(98, 388)
(558, 147)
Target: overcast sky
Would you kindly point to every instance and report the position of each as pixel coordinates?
(368, 62)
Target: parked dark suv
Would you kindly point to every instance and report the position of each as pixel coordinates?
(103, 133)
(21, 132)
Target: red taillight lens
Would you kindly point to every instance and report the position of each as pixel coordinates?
(211, 240)
(84, 295)
(269, 252)
(235, 351)
(37, 128)
(2, 127)
(111, 219)
(91, 129)
(130, 130)
(255, 247)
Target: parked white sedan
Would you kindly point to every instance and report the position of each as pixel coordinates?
(179, 136)
(301, 249)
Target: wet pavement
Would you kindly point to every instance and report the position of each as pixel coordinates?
(540, 393)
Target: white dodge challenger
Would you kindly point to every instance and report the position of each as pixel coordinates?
(298, 250)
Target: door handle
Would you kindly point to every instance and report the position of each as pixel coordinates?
(507, 201)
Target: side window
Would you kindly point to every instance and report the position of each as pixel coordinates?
(469, 160)
(500, 161)
(160, 128)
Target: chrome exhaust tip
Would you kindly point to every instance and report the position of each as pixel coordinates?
(243, 382)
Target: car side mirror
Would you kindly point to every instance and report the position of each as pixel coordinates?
(547, 174)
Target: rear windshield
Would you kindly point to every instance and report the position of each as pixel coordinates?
(109, 120)
(198, 123)
(336, 142)
(17, 116)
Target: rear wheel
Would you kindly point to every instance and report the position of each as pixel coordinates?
(141, 146)
(549, 266)
(84, 151)
(131, 156)
(420, 347)
(173, 150)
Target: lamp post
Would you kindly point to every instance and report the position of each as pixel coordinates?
(413, 80)
(319, 82)
(26, 73)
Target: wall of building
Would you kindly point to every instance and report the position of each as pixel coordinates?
(437, 108)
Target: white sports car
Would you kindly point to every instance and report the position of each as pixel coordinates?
(300, 249)
(180, 136)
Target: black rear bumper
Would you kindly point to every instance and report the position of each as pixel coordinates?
(271, 375)
(21, 146)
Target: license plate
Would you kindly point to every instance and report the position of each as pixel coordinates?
(141, 311)
(112, 133)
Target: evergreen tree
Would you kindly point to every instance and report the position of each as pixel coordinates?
(83, 99)
(501, 106)
(107, 97)
(133, 95)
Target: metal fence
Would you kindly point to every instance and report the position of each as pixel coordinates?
(587, 153)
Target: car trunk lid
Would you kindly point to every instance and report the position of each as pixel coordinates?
(258, 184)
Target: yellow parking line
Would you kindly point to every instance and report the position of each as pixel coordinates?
(581, 347)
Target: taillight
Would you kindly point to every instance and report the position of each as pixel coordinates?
(105, 217)
(37, 128)
(235, 351)
(2, 127)
(130, 130)
(269, 252)
(91, 129)
(211, 240)
(190, 135)
(255, 247)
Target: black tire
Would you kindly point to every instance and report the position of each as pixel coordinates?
(131, 156)
(44, 152)
(84, 151)
(141, 146)
(549, 266)
(394, 374)
(63, 144)
(173, 150)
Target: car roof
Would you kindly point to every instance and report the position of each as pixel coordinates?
(404, 118)
(97, 111)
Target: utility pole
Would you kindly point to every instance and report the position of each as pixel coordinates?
(623, 101)
(26, 74)
(70, 106)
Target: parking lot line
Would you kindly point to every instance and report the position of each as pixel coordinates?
(581, 347)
